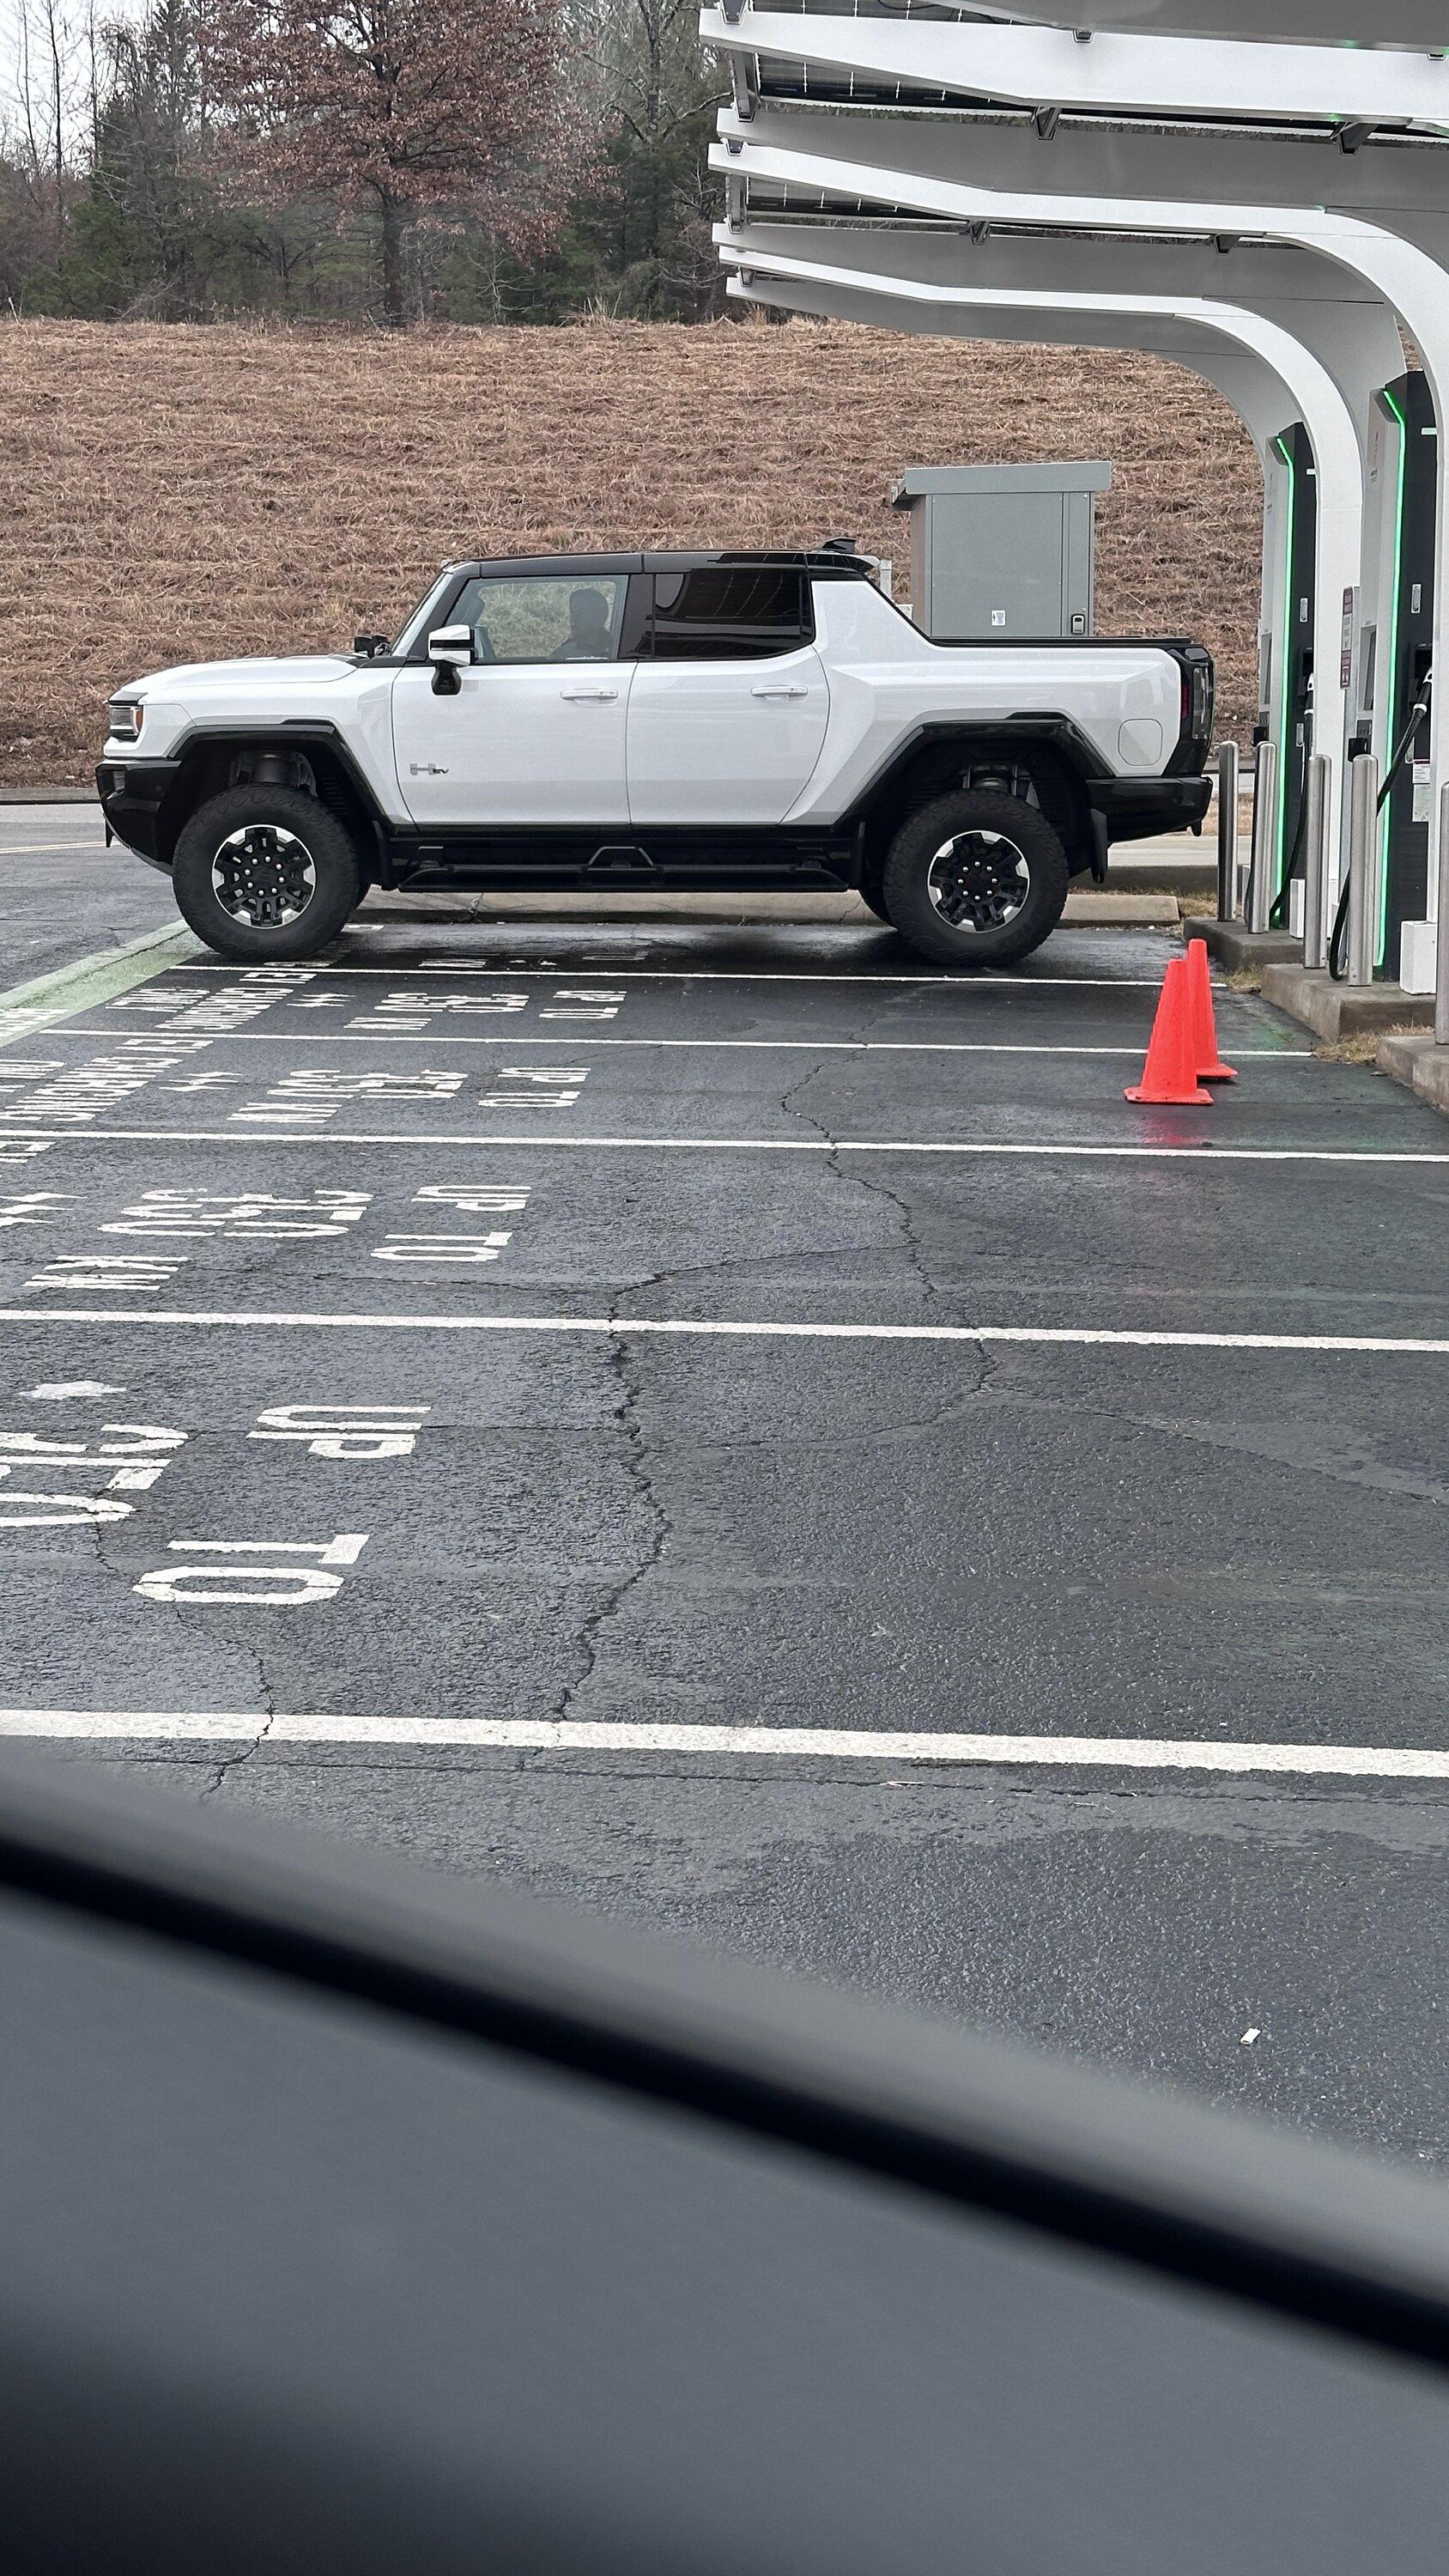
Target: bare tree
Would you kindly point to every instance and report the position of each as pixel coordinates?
(402, 106)
(48, 93)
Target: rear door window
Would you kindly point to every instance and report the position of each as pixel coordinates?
(729, 612)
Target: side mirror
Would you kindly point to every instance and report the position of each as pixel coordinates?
(450, 650)
(451, 644)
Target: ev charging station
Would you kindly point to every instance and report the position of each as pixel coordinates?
(1097, 127)
(1287, 649)
(1259, 396)
(844, 159)
(1394, 648)
(1272, 380)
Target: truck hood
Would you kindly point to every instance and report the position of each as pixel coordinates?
(249, 668)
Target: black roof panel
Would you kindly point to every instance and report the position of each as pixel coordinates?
(685, 559)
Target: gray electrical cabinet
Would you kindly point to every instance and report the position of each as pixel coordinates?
(1001, 552)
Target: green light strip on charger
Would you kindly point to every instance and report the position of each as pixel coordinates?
(1391, 675)
(1290, 529)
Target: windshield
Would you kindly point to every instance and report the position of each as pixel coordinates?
(425, 615)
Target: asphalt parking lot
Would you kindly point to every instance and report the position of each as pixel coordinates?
(648, 1411)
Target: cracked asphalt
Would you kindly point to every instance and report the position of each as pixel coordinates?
(763, 1127)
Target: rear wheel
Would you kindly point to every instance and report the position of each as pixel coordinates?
(265, 872)
(977, 878)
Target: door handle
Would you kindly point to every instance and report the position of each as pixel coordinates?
(588, 693)
(780, 689)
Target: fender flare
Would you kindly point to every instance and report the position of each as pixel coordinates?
(294, 733)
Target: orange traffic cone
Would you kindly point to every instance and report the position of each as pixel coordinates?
(1170, 1073)
(1210, 1067)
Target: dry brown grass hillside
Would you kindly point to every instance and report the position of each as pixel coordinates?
(175, 493)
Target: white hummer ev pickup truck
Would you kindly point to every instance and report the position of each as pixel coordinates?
(703, 721)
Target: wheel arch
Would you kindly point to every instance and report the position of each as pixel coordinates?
(311, 759)
(1046, 761)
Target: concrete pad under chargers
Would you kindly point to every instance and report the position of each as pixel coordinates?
(1418, 1064)
(1335, 1011)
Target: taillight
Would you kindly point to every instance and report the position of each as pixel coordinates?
(1196, 719)
(1202, 703)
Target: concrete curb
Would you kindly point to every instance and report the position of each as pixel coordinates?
(1419, 1065)
(1091, 909)
(1167, 873)
(402, 905)
(1335, 1011)
(1239, 950)
(48, 796)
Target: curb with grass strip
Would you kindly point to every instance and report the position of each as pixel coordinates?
(96, 978)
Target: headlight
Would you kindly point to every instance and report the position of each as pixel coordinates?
(126, 717)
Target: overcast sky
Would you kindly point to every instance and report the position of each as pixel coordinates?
(76, 12)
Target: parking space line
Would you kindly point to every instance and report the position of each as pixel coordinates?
(446, 1037)
(1077, 1335)
(808, 1743)
(46, 849)
(1204, 1154)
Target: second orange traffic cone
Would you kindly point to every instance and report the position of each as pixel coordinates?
(1210, 1067)
(1169, 1076)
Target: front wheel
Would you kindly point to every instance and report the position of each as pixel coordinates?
(265, 872)
(977, 878)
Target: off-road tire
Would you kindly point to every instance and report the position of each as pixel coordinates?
(992, 825)
(261, 870)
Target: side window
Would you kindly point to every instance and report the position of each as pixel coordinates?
(733, 612)
(544, 618)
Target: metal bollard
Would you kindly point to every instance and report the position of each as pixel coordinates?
(1265, 806)
(1227, 831)
(1317, 789)
(1441, 944)
(1363, 818)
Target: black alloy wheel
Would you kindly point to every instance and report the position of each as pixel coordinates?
(979, 880)
(264, 874)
